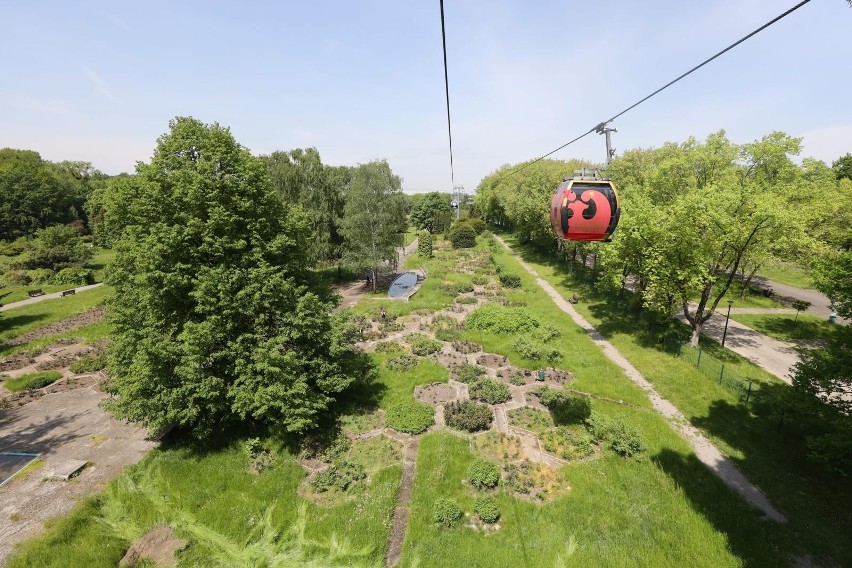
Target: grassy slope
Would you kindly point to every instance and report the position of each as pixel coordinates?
(98, 263)
(789, 274)
(230, 516)
(787, 328)
(817, 503)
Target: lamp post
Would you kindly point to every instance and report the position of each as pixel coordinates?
(725, 333)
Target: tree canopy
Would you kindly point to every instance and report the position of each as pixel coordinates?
(431, 211)
(214, 316)
(374, 218)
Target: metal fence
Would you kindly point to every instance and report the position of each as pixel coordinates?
(715, 370)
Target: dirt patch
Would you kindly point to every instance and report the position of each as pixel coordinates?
(17, 362)
(558, 376)
(450, 359)
(159, 545)
(466, 347)
(70, 323)
(313, 465)
(436, 393)
(492, 361)
(535, 481)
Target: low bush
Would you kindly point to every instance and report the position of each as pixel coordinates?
(424, 346)
(445, 512)
(468, 416)
(465, 300)
(546, 332)
(467, 373)
(501, 319)
(480, 279)
(88, 364)
(41, 276)
(564, 408)
(13, 248)
(477, 224)
(74, 277)
(490, 391)
(411, 417)
(486, 507)
(325, 445)
(464, 346)
(623, 438)
(424, 244)
(483, 474)
(33, 381)
(402, 363)
(534, 350)
(568, 443)
(340, 475)
(447, 335)
(259, 457)
(462, 235)
(510, 280)
(389, 347)
(517, 378)
(17, 278)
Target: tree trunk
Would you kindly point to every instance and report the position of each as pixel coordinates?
(375, 272)
(696, 333)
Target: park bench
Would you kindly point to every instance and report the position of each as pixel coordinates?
(35, 293)
(68, 292)
(574, 299)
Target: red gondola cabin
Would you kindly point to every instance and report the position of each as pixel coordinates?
(584, 208)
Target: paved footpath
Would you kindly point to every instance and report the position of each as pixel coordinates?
(705, 451)
(768, 353)
(50, 296)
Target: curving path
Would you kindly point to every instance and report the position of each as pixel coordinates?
(704, 449)
(43, 297)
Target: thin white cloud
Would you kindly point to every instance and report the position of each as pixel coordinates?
(99, 83)
(37, 104)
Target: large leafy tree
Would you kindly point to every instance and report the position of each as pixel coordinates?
(34, 194)
(696, 213)
(214, 318)
(842, 167)
(431, 211)
(300, 178)
(374, 218)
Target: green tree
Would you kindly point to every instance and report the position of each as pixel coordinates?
(842, 167)
(300, 178)
(424, 244)
(33, 194)
(55, 248)
(832, 275)
(800, 306)
(374, 218)
(431, 211)
(697, 213)
(213, 316)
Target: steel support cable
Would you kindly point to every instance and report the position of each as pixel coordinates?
(600, 125)
(447, 91)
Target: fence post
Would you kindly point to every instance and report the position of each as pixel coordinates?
(699, 358)
(748, 394)
(721, 373)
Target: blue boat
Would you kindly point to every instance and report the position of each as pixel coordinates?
(402, 285)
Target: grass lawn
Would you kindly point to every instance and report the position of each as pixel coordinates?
(32, 381)
(410, 235)
(230, 516)
(789, 274)
(770, 454)
(27, 318)
(787, 328)
(98, 263)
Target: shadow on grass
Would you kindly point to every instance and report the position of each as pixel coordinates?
(9, 323)
(751, 538)
(788, 328)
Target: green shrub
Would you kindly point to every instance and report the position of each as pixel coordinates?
(462, 236)
(14, 248)
(340, 475)
(546, 332)
(567, 443)
(402, 363)
(411, 417)
(17, 278)
(467, 373)
(501, 319)
(564, 407)
(424, 244)
(517, 378)
(445, 512)
(531, 349)
(490, 391)
(74, 277)
(464, 346)
(424, 346)
(483, 474)
(447, 335)
(475, 223)
(465, 300)
(33, 381)
(486, 507)
(623, 438)
(88, 364)
(389, 347)
(510, 280)
(41, 275)
(469, 416)
(480, 279)
(259, 457)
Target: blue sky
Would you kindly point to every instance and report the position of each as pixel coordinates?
(361, 80)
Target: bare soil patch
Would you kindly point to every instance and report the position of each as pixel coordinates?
(158, 545)
(70, 323)
(492, 361)
(436, 393)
